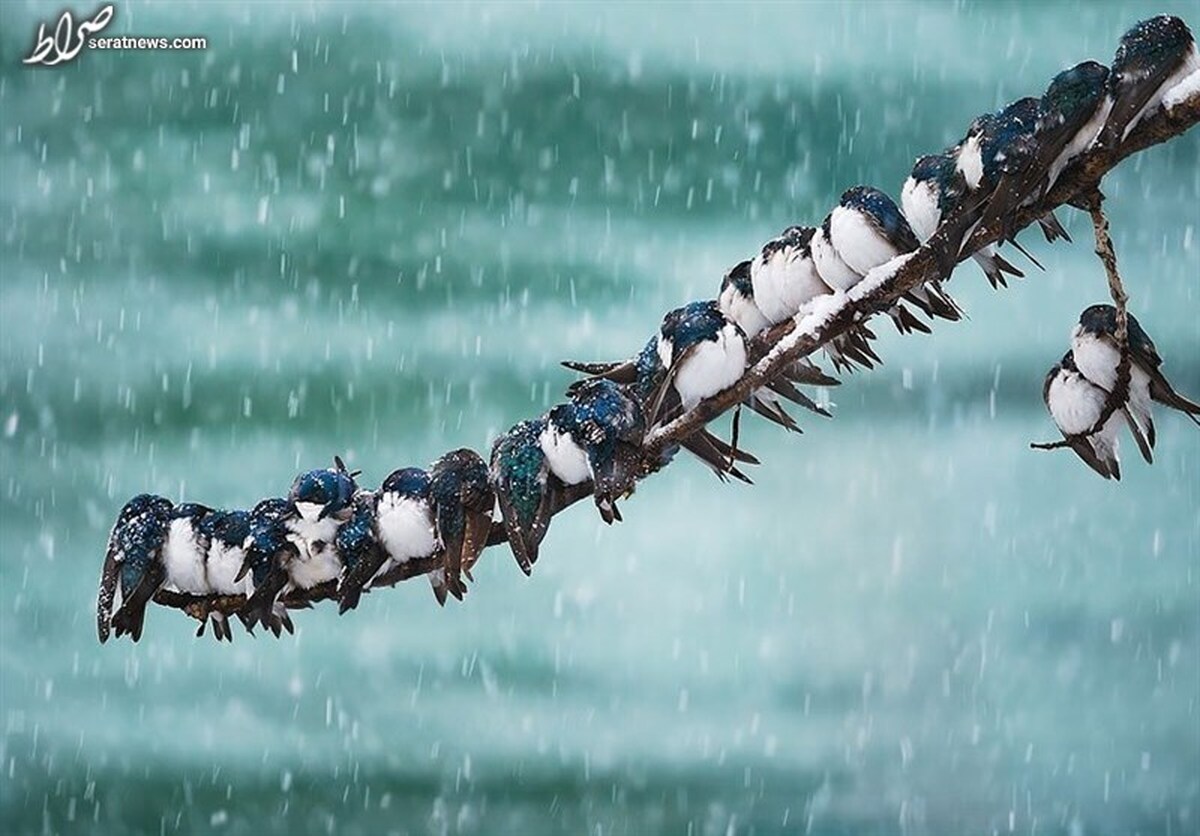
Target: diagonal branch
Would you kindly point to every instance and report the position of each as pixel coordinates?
(833, 315)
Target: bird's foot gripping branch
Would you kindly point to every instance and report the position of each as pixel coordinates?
(813, 288)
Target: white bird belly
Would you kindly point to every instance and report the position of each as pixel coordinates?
(712, 367)
(969, 163)
(789, 281)
(919, 203)
(224, 562)
(1075, 403)
(830, 266)
(405, 528)
(566, 459)
(743, 311)
(1079, 143)
(1190, 65)
(183, 559)
(860, 245)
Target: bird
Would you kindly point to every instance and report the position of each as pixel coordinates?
(390, 528)
(1071, 114)
(1151, 58)
(462, 501)
(223, 535)
(645, 375)
(596, 436)
(321, 500)
(932, 193)
(999, 144)
(1097, 356)
(527, 491)
(267, 551)
(702, 351)
(737, 301)
(1076, 405)
(865, 230)
(132, 565)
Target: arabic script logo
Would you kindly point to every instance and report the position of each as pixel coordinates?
(67, 39)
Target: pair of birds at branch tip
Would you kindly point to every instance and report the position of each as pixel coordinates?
(1010, 159)
(1079, 386)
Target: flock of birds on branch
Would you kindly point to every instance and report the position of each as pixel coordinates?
(330, 534)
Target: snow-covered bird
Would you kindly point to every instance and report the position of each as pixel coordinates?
(320, 502)
(203, 554)
(1071, 114)
(646, 376)
(931, 193)
(405, 529)
(463, 502)
(702, 351)
(1076, 404)
(783, 279)
(527, 492)
(865, 230)
(358, 547)
(133, 565)
(737, 302)
(1094, 346)
(996, 145)
(596, 436)
(267, 550)
(1152, 57)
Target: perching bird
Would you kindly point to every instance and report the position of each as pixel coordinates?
(463, 501)
(1076, 404)
(596, 436)
(132, 565)
(996, 145)
(865, 230)
(702, 351)
(1071, 114)
(390, 528)
(526, 489)
(1094, 345)
(224, 535)
(737, 302)
(783, 279)
(646, 375)
(320, 502)
(268, 550)
(1152, 57)
(931, 193)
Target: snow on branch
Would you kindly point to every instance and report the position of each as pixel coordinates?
(830, 316)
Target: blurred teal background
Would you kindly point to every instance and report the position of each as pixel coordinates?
(374, 230)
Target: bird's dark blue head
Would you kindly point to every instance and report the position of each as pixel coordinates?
(1162, 41)
(694, 323)
(318, 494)
(938, 169)
(267, 535)
(1073, 94)
(739, 277)
(407, 481)
(797, 237)
(1101, 320)
(230, 528)
(609, 406)
(884, 213)
(144, 503)
(190, 510)
(1008, 140)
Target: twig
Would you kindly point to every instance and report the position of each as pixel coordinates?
(1119, 395)
(785, 343)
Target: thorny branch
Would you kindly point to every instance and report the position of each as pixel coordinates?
(787, 342)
